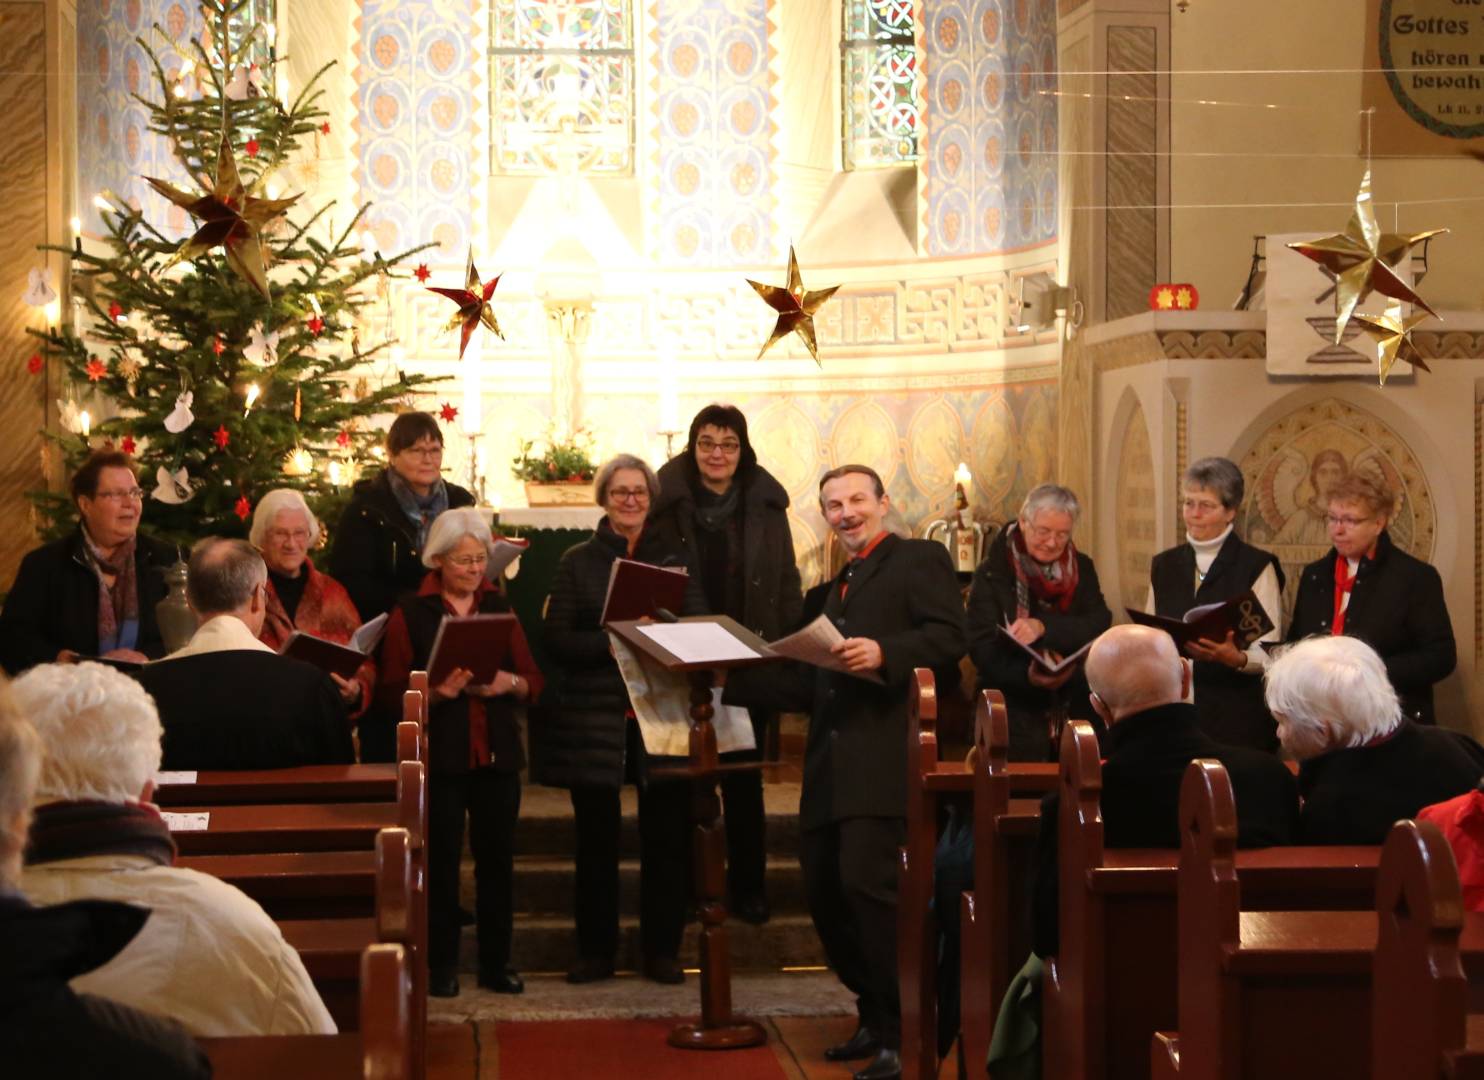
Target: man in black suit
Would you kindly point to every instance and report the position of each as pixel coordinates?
(898, 605)
(1139, 685)
(226, 700)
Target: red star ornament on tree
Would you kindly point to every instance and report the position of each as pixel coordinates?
(316, 325)
(324, 129)
(230, 218)
(217, 345)
(34, 364)
(221, 437)
(115, 310)
(252, 146)
(242, 508)
(96, 369)
(448, 412)
(474, 304)
(422, 273)
(343, 438)
(795, 307)
(128, 445)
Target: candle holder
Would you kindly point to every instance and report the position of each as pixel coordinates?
(475, 477)
(670, 442)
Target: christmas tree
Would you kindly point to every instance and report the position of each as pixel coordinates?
(232, 363)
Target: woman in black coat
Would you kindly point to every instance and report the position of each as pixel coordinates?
(1212, 566)
(1369, 589)
(1036, 583)
(474, 750)
(590, 742)
(379, 541)
(731, 517)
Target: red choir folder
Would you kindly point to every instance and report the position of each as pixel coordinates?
(478, 643)
(638, 590)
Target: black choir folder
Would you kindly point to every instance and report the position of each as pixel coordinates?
(477, 643)
(638, 590)
(342, 660)
(1242, 616)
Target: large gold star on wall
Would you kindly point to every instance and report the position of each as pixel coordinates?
(795, 307)
(1363, 258)
(1392, 338)
(474, 304)
(229, 217)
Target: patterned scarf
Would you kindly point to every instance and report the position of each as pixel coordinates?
(1052, 584)
(74, 830)
(118, 604)
(420, 509)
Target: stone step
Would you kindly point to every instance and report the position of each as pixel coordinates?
(549, 945)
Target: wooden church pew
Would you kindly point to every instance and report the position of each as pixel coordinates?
(382, 1047)
(304, 783)
(1113, 982)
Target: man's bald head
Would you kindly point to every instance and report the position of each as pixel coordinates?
(1133, 668)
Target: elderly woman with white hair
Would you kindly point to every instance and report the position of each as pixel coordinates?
(1363, 765)
(209, 956)
(1036, 586)
(299, 597)
(46, 1027)
(475, 749)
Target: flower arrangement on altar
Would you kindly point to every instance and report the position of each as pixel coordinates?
(559, 473)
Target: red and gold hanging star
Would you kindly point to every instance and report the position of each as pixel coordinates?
(474, 304)
(96, 369)
(242, 508)
(316, 325)
(795, 307)
(221, 437)
(252, 146)
(34, 365)
(1392, 338)
(448, 412)
(128, 445)
(230, 218)
(422, 273)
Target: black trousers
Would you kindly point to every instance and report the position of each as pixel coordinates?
(850, 881)
(491, 800)
(664, 867)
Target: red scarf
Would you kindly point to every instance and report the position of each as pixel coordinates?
(1344, 582)
(1052, 584)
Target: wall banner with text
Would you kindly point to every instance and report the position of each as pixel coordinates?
(1424, 62)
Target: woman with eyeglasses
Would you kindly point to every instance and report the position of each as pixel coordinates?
(731, 517)
(380, 538)
(474, 750)
(300, 597)
(1368, 588)
(1214, 565)
(93, 592)
(590, 741)
(1036, 586)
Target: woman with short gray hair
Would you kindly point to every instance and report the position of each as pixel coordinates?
(1212, 566)
(1035, 586)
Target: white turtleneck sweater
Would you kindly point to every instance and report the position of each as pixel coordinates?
(1265, 588)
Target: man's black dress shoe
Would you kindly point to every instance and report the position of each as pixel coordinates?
(860, 1045)
(590, 969)
(443, 984)
(751, 909)
(664, 969)
(505, 981)
(886, 1065)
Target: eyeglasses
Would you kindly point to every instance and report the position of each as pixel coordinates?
(467, 561)
(131, 494)
(729, 447)
(1336, 521)
(628, 494)
(1039, 533)
(1204, 506)
(424, 452)
(283, 536)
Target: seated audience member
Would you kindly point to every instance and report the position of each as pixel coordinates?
(1139, 685)
(1461, 820)
(46, 1028)
(1362, 764)
(299, 596)
(227, 700)
(208, 956)
(94, 591)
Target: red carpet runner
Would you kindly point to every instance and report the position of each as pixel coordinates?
(618, 1050)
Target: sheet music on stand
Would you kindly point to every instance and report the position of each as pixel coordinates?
(661, 702)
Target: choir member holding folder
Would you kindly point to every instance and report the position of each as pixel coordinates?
(1035, 590)
(475, 753)
(590, 742)
(1215, 564)
(301, 598)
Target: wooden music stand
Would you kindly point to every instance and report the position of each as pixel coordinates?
(717, 1028)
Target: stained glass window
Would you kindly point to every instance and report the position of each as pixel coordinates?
(878, 80)
(562, 86)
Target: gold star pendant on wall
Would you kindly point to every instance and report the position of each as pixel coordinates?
(474, 304)
(1363, 258)
(795, 307)
(229, 217)
(1392, 336)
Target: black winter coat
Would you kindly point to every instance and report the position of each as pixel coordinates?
(771, 595)
(53, 604)
(376, 554)
(1005, 668)
(47, 1030)
(581, 732)
(1397, 608)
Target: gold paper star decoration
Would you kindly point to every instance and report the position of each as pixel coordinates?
(474, 305)
(795, 308)
(229, 217)
(1363, 258)
(1392, 336)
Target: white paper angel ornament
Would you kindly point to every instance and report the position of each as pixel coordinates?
(261, 348)
(181, 416)
(39, 291)
(173, 488)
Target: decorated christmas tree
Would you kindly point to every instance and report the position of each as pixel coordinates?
(233, 362)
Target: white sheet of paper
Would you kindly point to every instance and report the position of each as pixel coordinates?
(813, 645)
(369, 633)
(183, 776)
(187, 822)
(697, 642)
